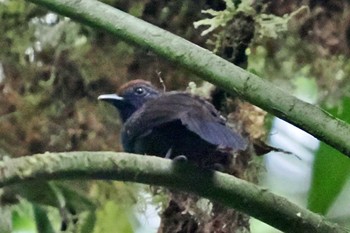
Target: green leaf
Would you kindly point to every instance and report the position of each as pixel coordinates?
(331, 169)
(75, 198)
(113, 218)
(43, 223)
(86, 222)
(5, 219)
(39, 192)
(23, 217)
(56, 194)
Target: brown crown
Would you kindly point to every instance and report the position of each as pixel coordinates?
(131, 84)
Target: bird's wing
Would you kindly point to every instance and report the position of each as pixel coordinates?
(215, 133)
(196, 114)
(204, 120)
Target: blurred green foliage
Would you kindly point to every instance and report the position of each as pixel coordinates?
(294, 57)
(52, 69)
(304, 49)
(331, 169)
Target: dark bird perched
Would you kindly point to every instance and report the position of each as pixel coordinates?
(171, 124)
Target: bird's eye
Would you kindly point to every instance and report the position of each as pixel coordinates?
(139, 90)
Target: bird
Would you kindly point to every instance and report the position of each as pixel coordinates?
(172, 124)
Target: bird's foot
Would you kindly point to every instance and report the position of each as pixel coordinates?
(180, 159)
(218, 167)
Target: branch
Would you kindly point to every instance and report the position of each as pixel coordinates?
(208, 66)
(228, 190)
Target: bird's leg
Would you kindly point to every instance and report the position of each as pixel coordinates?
(179, 158)
(168, 153)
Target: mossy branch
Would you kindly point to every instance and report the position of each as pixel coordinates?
(228, 190)
(208, 66)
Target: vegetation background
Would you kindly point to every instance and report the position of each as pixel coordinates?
(52, 70)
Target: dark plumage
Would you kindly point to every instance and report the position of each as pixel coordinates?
(172, 123)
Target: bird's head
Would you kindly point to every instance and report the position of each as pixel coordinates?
(131, 96)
